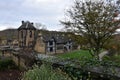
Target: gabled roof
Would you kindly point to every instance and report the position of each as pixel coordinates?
(27, 25)
(58, 37)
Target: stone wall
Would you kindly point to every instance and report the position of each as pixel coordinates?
(40, 46)
(75, 70)
(19, 59)
(30, 40)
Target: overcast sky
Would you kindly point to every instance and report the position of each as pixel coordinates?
(47, 12)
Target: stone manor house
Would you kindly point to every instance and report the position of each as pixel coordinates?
(29, 42)
(43, 41)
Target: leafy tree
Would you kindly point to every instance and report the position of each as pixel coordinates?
(79, 41)
(94, 21)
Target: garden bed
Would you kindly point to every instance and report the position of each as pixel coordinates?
(8, 69)
(10, 75)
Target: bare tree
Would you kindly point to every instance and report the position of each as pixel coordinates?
(40, 26)
(94, 21)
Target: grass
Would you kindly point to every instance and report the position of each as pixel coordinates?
(84, 55)
(76, 55)
(114, 58)
(0, 53)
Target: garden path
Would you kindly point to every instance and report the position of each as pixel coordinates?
(101, 55)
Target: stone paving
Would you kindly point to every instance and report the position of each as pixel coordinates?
(44, 56)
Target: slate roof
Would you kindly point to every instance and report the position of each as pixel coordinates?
(58, 37)
(27, 25)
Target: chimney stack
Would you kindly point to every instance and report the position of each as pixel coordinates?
(32, 23)
(22, 22)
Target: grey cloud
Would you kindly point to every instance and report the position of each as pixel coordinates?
(13, 11)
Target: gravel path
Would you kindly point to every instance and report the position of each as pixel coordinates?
(44, 56)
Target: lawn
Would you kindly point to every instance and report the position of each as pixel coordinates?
(114, 58)
(0, 53)
(79, 54)
(84, 55)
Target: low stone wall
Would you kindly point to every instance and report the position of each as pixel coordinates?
(96, 72)
(20, 59)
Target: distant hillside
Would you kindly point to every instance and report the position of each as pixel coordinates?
(9, 34)
(13, 33)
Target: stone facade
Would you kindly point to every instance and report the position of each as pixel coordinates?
(40, 45)
(15, 43)
(52, 42)
(26, 34)
(4, 42)
(47, 42)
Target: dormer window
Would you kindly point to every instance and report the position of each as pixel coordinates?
(51, 43)
(30, 34)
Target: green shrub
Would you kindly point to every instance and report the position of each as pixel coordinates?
(7, 64)
(44, 72)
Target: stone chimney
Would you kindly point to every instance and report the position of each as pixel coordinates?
(22, 22)
(32, 23)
